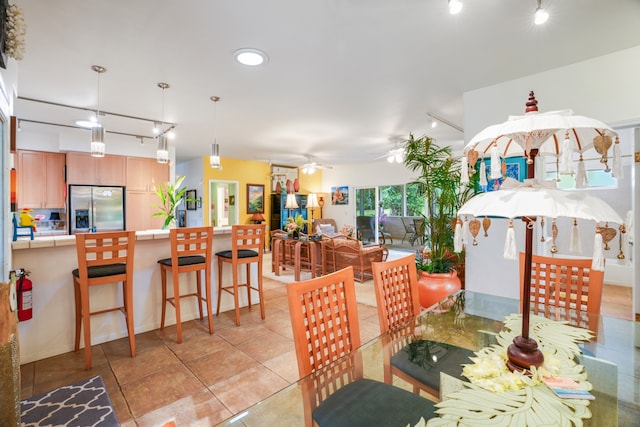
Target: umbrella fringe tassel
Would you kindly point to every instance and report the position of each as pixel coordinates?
(483, 174)
(581, 177)
(617, 171)
(576, 245)
(566, 158)
(496, 170)
(598, 254)
(510, 251)
(464, 170)
(457, 237)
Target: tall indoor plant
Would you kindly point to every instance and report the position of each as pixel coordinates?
(170, 195)
(439, 181)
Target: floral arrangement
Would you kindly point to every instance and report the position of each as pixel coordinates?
(15, 31)
(348, 230)
(296, 224)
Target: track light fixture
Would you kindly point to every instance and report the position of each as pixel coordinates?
(435, 119)
(455, 6)
(97, 132)
(541, 15)
(214, 155)
(162, 152)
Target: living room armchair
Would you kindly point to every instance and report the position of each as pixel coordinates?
(342, 251)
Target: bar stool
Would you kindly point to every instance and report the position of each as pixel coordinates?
(247, 247)
(103, 258)
(191, 250)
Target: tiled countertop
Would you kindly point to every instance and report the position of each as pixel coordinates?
(70, 240)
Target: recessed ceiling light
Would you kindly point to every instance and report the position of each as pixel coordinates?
(251, 57)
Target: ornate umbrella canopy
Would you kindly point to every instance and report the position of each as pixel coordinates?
(540, 202)
(559, 133)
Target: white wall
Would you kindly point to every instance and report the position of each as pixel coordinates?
(359, 175)
(604, 88)
(8, 89)
(193, 172)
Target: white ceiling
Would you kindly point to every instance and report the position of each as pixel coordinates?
(345, 81)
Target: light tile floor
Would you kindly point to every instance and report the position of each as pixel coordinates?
(202, 381)
(207, 378)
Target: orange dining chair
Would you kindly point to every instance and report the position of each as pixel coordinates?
(326, 333)
(396, 287)
(191, 251)
(558, 284)
(103, 258)
(247, 247)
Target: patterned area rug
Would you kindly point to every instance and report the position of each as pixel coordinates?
(85, 403)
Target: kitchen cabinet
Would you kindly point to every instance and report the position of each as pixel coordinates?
(140, 205)
(41, 183)
(84, 169)
(144, 175)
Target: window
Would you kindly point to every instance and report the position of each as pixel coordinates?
(597, 179)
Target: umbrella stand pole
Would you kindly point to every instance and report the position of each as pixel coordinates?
(524, 352)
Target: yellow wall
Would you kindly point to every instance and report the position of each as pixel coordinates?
(251, 172)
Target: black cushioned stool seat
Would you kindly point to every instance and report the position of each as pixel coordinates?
(366, 403)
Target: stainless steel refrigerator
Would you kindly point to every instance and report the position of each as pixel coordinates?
(95, 209)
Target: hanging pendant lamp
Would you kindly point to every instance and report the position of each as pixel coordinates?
(214, 155)
(97, 132)
(162, 152)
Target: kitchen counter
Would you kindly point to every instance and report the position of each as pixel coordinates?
(50, 260)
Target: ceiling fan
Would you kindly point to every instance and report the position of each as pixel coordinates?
(311, 167)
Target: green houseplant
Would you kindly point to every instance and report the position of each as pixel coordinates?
(439, 181)
(170, 195)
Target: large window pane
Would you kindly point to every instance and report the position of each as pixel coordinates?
(365, 201)
(391, 199)
(415, 201)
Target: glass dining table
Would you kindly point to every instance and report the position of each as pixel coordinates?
(613, 364)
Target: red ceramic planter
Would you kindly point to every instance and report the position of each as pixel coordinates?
(433, 287)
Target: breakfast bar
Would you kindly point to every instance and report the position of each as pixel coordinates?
(49, 262)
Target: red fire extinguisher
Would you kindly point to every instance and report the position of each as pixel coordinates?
(24, 289)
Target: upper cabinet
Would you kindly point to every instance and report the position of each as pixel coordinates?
(41, 182)
(146, 174)
(84, 169)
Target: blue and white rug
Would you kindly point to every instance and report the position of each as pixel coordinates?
(83, 404)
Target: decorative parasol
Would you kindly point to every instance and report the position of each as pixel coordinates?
(530, 200)
(558, 133)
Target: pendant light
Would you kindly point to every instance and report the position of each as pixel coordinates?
(541, 16)
(162, 152)
(214, 156)
(97, 132)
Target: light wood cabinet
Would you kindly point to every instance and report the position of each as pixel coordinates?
(139, 211)
(84, 169)
(41, 183)
(144, 175)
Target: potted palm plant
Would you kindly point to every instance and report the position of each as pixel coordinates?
(170, 195)
(439, 181)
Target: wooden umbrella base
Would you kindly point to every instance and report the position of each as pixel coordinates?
(523, 354)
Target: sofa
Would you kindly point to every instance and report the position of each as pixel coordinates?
(341, 251)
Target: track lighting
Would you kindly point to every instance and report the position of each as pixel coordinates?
(541, 15)
(455, 6)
